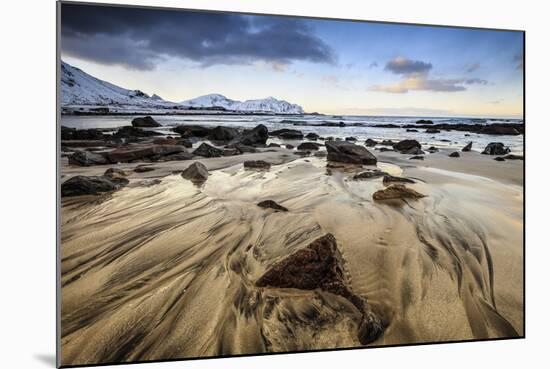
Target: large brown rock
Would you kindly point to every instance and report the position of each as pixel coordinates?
(255, 136)
(192, 131)
(196, 172)
(257, 164)
(270, 204)
(320, 266)
(397, 191)
(221, 133)
(347, 152)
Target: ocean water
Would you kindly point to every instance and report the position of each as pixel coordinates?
(360, 127)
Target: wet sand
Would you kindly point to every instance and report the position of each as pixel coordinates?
(168, 270)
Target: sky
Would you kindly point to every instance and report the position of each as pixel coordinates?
(326, 66)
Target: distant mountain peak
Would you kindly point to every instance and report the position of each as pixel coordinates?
(81, 89)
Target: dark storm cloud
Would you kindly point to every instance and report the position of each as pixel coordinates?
(139, 38)
(401, 65)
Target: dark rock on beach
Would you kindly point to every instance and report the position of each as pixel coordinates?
(509, 157)
(433, 130)
(270, 204)
(352, 139)
(196, 172)
(496, 148)
(83, 185)
(468, 147)
(208, 151)
(255, 136)
(308, 146)
(185, 142)
(134, 132)
(221, 133)
(320, 266)
(424, 121)
(406, 145)
(432, 149)
(288, 134)
(81, 134)
(370, 142)
(187, 131)
(143, 169)
(87, 158)
(346, 152)
(257, 164)
(312, 136)
(116, 174)
(417, 157)
(145, 122)
(454, 154)
(396, 191)
(140, 152)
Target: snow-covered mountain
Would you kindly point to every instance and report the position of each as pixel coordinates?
(270, 104)
(79, 89)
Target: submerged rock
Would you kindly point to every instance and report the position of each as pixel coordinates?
(347, 152)
(257, 164)
(208, 151)
(87, 158)
(196, 172)
(320, 266)
(468, 147)
(271, 205)
(397, 191)
(496, 148)
(145, 122)
(83, 185)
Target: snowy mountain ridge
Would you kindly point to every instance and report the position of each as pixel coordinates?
(80, 89)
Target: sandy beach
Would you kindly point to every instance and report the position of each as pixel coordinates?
(167, 268)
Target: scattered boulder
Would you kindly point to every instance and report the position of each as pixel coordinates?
(178, 156)
(145, 122)
(352, 139)
(397, 191)
(384, 149)
(255, 136)
(187, 131)
(413, 151)
(370, 142)
(391, 179)
(417, 157)
(468, 147)
(386, 143)
(496, 148)
(347, 152)
(130, 132)
(513, 157)
(270, 204)
(208, 151)
(308, 146)
(432, 149)
(499, 158)
(87, 158)
(231, 152)
(140, 152)
(369, 174)
(454, 154)
(312, 136)
(412, 130)
(257, 164)
(289, 146)
(288, 134)
(433, 130)
(221, 133)
(320, 266)
(406, 145)
(93, 185)
(196, 172)
(273, 144)
(81, 134)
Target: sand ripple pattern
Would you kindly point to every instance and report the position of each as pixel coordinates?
(168, 271)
